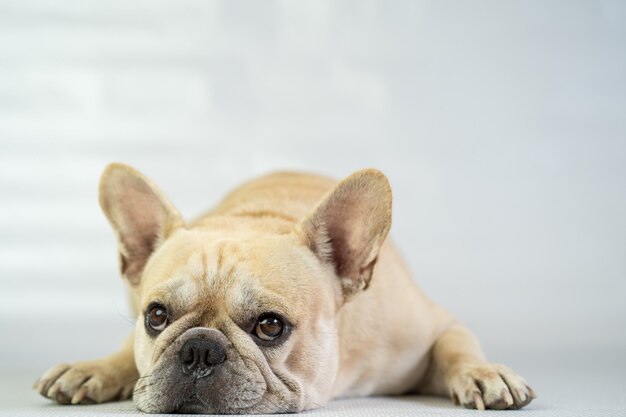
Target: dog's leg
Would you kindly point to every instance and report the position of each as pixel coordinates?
(459, 369)
(111, 378)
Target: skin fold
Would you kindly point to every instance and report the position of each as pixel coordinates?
(304, 250)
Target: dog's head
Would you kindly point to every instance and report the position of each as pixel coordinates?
(234, 318)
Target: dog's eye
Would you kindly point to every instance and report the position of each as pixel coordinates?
(268, 327)
(157, 318)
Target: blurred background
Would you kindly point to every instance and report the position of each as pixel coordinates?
(501, 126)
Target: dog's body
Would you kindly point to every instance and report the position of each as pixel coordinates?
(271, 303)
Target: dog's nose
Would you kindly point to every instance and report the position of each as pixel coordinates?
(199, 356)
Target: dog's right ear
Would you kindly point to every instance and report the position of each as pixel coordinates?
(141, 216)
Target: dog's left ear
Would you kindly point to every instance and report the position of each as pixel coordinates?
(349, 226)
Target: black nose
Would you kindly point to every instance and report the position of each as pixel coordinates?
(199, 356)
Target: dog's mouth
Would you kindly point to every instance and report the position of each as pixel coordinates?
(195, 405)
(219, 392)
(229, 391)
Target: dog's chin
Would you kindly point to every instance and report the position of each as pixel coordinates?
(196, 405)
(193, 407)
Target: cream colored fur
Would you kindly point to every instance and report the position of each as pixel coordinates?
(314, 250)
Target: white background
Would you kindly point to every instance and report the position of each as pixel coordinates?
(501, 125)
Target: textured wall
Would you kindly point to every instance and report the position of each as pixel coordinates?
(501, 125)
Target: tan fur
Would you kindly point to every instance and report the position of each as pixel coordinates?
(303, 246)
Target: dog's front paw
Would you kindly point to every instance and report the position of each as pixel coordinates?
(86, 383)
(489, 386)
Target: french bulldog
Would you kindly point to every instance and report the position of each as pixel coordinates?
(286, 295)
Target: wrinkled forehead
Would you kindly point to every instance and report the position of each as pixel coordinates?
(235, 277)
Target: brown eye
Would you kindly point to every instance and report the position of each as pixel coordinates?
(157, 318)
(268, 327)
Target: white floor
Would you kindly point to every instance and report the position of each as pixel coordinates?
(567, 384)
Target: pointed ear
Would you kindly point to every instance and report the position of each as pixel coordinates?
(141, 216)
(349, 226)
